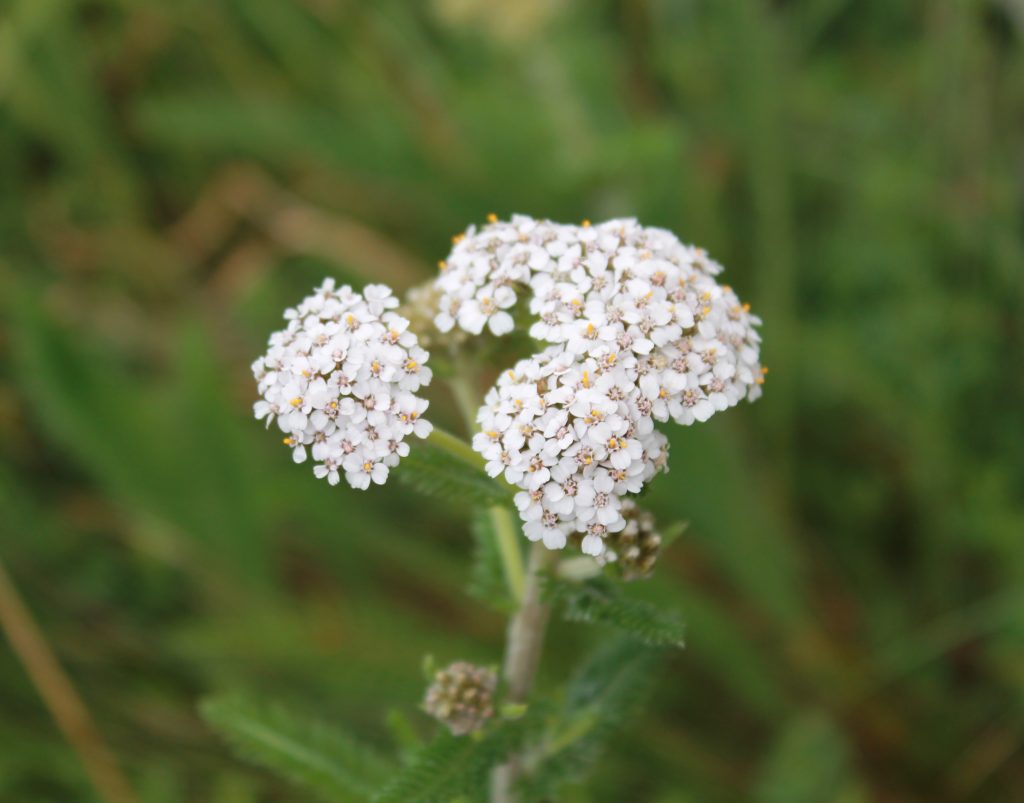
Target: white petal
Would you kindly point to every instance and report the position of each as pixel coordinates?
(501, 323)
(592, 545)
(554, 539)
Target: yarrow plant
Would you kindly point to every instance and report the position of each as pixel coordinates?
(625, 328)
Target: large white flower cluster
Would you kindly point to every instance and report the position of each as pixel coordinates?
(640, 331)
(341, 379)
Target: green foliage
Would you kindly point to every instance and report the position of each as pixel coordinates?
(438, 473)
(450, 767)
(599, 601)
(319, 758)
(788, 777)
(607, 690)
(487, 577)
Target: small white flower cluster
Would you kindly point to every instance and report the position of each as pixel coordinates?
(341, 378)
(569, 433)
(641, 332)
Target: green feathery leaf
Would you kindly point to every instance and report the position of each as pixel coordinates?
(612, 685)
(599, 602)
(451, 766)
(310, 754)
(487, 577)
(436, 471)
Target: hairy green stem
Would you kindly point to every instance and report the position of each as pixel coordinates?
(524, 640)
(507, 532)
(456, 447)
(506, 529)
(466, 398)
(523, 646)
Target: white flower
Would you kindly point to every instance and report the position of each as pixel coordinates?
(340, 379)
(565, 431)
(546, 529)
(640, 331)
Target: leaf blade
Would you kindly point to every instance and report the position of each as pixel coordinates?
(598, 602)
(449, 767)
(322, 760)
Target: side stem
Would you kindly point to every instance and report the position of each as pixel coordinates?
(508, 536)
(523, 646)
(506, 529)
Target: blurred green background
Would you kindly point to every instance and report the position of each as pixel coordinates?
(172, 175)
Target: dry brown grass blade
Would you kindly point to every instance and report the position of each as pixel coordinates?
(292, 225)
(60, 697)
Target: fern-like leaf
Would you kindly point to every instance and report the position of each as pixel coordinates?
(599, 602)
(435, 471)
(310, 754)
(487, 577)
(611, 686)
(450, 767)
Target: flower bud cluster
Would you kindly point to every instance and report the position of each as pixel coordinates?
(420, 307)
(462, 697)
(635, 548)
(341, 379)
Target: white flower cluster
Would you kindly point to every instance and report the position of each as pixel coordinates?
(341, 378)
(568, 432)
(640, 332)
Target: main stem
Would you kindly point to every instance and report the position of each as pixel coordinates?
(524, 639)
(523, 645)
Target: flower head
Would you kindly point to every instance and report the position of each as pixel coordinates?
(567, 431)
(640, 332)
(340, 380)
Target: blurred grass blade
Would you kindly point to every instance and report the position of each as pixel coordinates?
(310, 754)
(809, 764)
